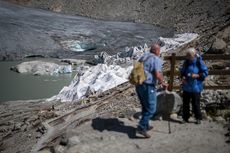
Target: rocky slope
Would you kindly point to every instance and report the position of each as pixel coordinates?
(21, 122)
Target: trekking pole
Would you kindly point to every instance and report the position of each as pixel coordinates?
(169, 125)
(168, 115)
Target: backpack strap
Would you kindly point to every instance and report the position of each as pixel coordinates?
(142, 59)
(198, 64)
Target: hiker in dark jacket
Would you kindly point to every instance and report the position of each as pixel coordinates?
(147, 91)
(193, 73)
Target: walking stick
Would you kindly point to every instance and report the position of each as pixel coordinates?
(168, 115)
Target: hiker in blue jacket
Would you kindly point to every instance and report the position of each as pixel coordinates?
(146, 92)
(193, 73)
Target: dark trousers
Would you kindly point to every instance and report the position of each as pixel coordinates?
(195, 99)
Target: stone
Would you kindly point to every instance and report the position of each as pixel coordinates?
(73, 141)
(168, 103)
(56, 7)
(219, 119)
(64, 141)
(17, 126)
(218, 47)
(204, 114)
(24, 128)
(59, 149)
(209, 119)
(173, 116)
(79, 149)
(225, 35)
(112, 138)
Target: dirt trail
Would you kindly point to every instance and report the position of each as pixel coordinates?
(114, 135)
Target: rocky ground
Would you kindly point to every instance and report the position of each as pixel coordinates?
(101, 123)
(106, 122)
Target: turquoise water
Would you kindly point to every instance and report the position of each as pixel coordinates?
(15, 86)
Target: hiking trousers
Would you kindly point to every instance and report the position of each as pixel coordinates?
(147, 96)
(193, 97)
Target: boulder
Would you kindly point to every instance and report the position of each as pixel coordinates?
(168, 103)
(225, 34)
(218, 46)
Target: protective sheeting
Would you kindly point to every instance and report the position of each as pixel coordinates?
(112, 70)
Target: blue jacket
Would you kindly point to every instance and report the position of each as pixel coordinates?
(189, 67)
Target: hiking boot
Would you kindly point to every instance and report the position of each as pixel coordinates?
(143, 133)
(150, 128)
(198, 121)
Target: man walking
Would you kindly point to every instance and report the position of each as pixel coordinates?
(147, 91)
(193, 73)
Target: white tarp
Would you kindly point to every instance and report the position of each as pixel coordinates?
(110, 74)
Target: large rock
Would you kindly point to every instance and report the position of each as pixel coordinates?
(42, 68)
(225, 35)
(168, 103)
(218, 47)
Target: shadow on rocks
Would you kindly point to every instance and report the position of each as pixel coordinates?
(159, 117)
(113, 124)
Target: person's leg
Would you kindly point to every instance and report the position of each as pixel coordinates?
(152, 103)
(148, 107)
(186, 107)
(196, 106)
(142, 93)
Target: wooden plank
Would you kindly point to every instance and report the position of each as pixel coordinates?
(205, 57)
(210, 87)
(211, 72)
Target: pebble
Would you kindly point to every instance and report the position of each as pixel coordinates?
(73, 141)
(209, 119)
(17, 126)
(219, 119)
(64, 141)
(59, 149)
(204, 114)
(79, 149)
(173, 116)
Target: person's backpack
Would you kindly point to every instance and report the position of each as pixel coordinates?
(137, 75)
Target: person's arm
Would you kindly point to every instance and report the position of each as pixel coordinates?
(159, 76)
(203, 71)
(158, 72)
